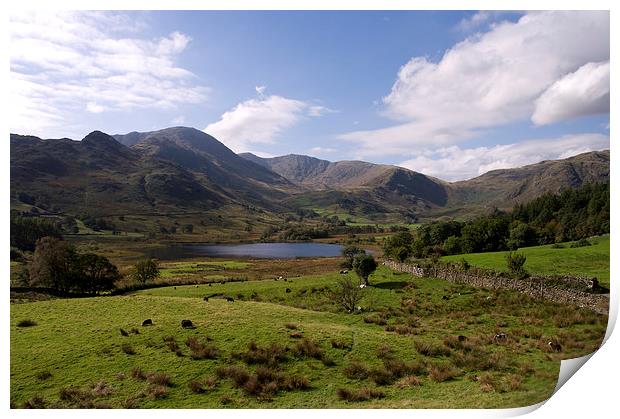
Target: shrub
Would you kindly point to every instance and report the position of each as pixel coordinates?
(356, 371)
(442, 372)
(202, 350)
(128, 349)
(237, 374)
(156, 392)
(515, 262)
(429, 349)
(309, 349)
(347, 295)
(159, 379)
(360, 395)
(138, 374)
(408, 381)
(43, 375)
(267, 355)
(26, 323)
(196, 386)
(35, 402)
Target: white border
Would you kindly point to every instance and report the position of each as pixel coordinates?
(591, 393)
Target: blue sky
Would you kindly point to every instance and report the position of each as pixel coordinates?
(450, 94)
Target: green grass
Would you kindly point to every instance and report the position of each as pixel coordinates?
(592, 261)
(79, 343)
(188, 269)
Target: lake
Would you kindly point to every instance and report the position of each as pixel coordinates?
(252, 250)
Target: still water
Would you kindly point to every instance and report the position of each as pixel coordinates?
(253, 250)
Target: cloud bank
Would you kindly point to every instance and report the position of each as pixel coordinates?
(261, 121)
(533, 68)
(68, 62)
(456, 163)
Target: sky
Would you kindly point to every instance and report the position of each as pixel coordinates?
(449, 94)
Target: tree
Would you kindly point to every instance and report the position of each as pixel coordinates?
(394, 243)
(364, 265)
(188, 228)
(54, 265)
(349, 252)
(521, 235)
(347, 294)
(97, 273)
(25, 231)
(452, 245)
(515, 262)
(145, 270)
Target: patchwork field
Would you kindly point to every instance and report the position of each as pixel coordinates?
(592, 261)
(287, 344)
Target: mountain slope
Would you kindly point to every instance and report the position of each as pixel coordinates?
(99, 176)
(505, 187)
(212, 162)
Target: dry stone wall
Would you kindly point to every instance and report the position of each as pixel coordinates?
(578, 291)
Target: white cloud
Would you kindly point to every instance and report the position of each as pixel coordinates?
(455, 163)
(260, 121)
(584, 92)
(260, 90)
(94, 107)
(64, 62)
(489, 79)
(322, 150)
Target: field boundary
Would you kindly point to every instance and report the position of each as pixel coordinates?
(578, 291)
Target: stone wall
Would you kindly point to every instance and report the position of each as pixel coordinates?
(578, 291)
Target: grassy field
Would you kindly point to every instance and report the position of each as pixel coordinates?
(592, 260)
(286, 344)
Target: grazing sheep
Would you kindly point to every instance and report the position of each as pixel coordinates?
(284, 279)
(445, 297)
(175, 288)
(196, 286)
(279, 278)
(232, 300)
(209, 284)
(147, 322)
(462, 338)
(362, 285)
(500, 337)
(288, 290)
(187, 324)
(555, 347)
(205, 298)
(124, 333)
(344, 272)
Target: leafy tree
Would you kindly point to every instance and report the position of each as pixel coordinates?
(54, 265)
(349, 252)
(145, 270)
(347, 295)
(25, 231)
(521, 235)
(364, 265)
(452, 245)
(397, 241)
(515, 262)
(401, 253)
(97, 273)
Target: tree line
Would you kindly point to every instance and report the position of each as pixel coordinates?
(572, 214)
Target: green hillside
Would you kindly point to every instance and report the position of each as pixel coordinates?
(592, 261)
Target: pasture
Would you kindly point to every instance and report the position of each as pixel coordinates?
(287, 344)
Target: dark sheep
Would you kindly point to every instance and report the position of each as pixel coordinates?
(445, 297)
(147, 322)
(124, 333)
(205, 298)
(555, 346)
(187, 324)
(500, 337)
(232, 300)
(288, 290)
(462, 338)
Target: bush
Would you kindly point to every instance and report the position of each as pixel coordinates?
(356, 371)
(347, 295)
(145, 270)
(515, 262)
(360, 395)
(202, 350)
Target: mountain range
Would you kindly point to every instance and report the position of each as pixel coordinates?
(182, 170)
